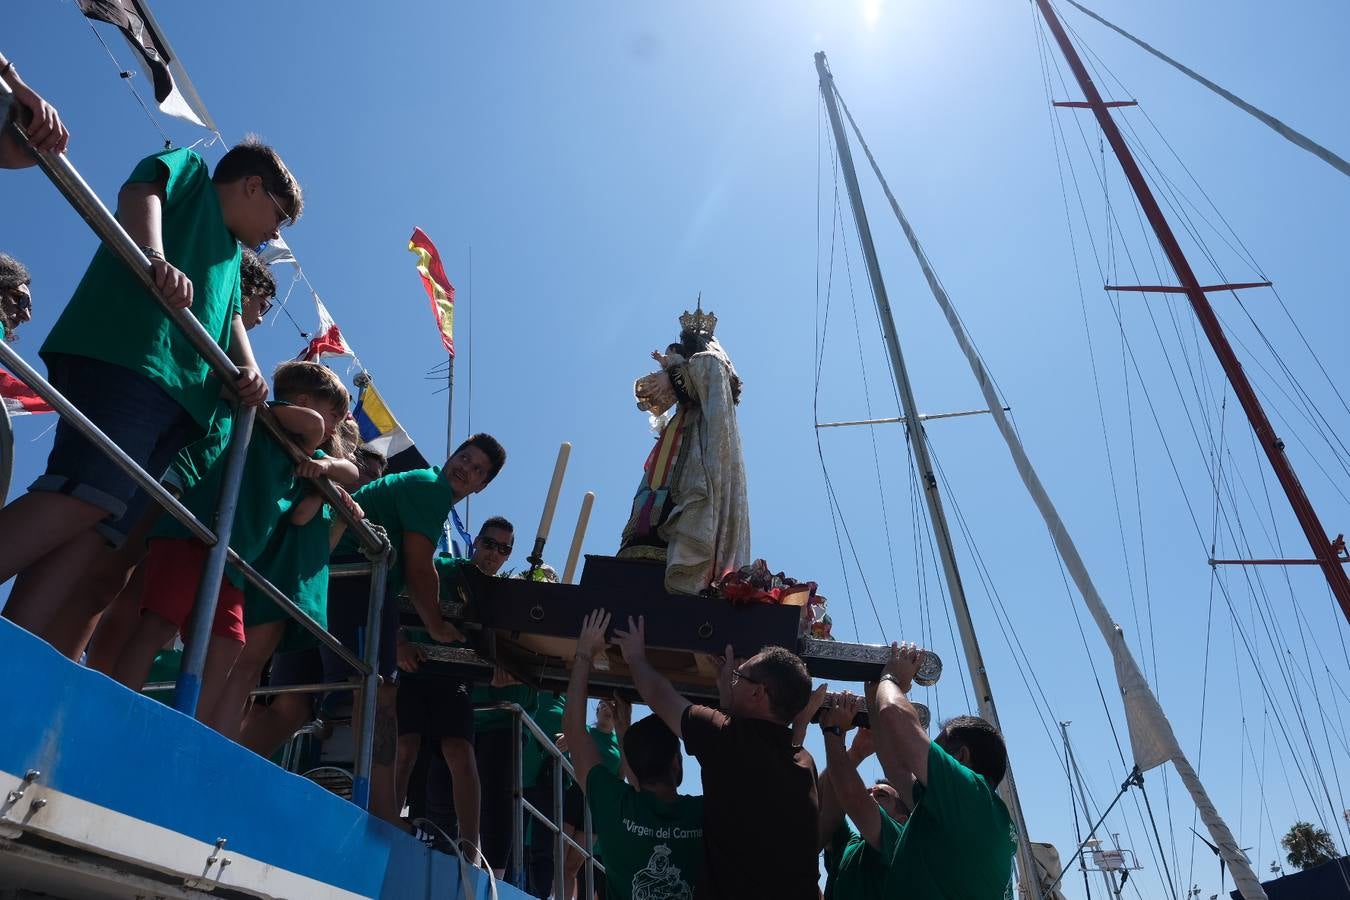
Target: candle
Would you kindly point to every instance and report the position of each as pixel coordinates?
(575, 553)
(546, 521)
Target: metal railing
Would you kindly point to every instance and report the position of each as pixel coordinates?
(520, 723)
(187, 689)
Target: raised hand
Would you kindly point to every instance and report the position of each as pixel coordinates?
(633, 642)
(904, 663)
(592, 638)
(843, 712)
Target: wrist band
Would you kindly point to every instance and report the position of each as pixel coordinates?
(152, 253)
(892, 679)
(832, 729)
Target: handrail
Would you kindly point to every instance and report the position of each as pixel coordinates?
(92, 209)
(373, 541)
(521, 720)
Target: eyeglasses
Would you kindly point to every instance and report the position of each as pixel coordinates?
(265, 303)
(738, 675)
(488, 543)
(285, 221)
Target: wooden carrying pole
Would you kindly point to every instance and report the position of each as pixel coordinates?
(582, 521)
(536, 557)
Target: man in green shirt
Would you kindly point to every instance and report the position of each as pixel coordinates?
(118, 357)
(959, 840)
(859, 865)
(652, 835)
(412, 508)
(440, 708)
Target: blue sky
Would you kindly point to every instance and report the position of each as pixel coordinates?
(606, 162)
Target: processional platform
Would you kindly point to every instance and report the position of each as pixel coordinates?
(529, 628)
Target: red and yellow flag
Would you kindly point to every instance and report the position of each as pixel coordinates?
(439, 289)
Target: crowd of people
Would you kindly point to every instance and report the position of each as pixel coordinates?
(109, 579)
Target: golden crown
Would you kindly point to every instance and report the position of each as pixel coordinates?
(698, 322)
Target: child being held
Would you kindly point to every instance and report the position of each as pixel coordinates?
(311, 401)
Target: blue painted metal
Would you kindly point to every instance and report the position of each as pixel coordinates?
(97, 741)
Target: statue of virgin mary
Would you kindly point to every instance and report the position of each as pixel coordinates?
(691, 511)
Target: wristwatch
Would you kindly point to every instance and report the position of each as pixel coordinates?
(893, 680)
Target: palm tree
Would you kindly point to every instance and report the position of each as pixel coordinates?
(1308, 846)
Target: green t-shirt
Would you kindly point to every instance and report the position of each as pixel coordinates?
(112, 318)
(548, 715)
(607, 744)
(416, 501)
(653, 849)
(197, 457)
(296, 562)
(265, 495)
(858, 871)
(958, 842)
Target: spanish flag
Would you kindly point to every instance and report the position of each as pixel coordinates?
(439, 289)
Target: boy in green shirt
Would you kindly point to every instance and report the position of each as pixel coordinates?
(441, 708)
(110, 598)
(412, 508)
(295, 559)
(652, 835)
(117, 356)
(174, 564)
(959, 840)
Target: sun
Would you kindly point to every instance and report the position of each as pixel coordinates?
(871, 10)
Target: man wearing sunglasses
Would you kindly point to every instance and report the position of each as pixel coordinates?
(761, 812)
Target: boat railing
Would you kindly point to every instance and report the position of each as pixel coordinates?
(522, 723)
(374, 543)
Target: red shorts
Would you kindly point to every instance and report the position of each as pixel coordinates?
(173, 570)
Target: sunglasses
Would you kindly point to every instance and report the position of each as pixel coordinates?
(285, 221)
(488, 543)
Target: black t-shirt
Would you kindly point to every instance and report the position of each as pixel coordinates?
(760, 808)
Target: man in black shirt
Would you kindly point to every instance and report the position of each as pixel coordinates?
(759, 791)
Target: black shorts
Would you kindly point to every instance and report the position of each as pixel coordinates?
(435, 708)
(348, 604)
(574, 807)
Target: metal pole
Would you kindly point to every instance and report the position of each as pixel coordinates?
(1318, 539)
(590, 853)
(516, 875)
(1082, 794)
(1028, 881)
(449, 406)
(559, 840)
(6, 452)
(370, 684)
(195, 648)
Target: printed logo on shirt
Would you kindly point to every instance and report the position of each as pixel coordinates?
(664, 833)
(660, 880)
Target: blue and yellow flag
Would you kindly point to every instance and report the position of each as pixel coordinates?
(381, 432)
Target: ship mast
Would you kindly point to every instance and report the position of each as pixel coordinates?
(1028, 882)
(1324, 549)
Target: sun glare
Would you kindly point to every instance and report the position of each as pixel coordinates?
(871, 10)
